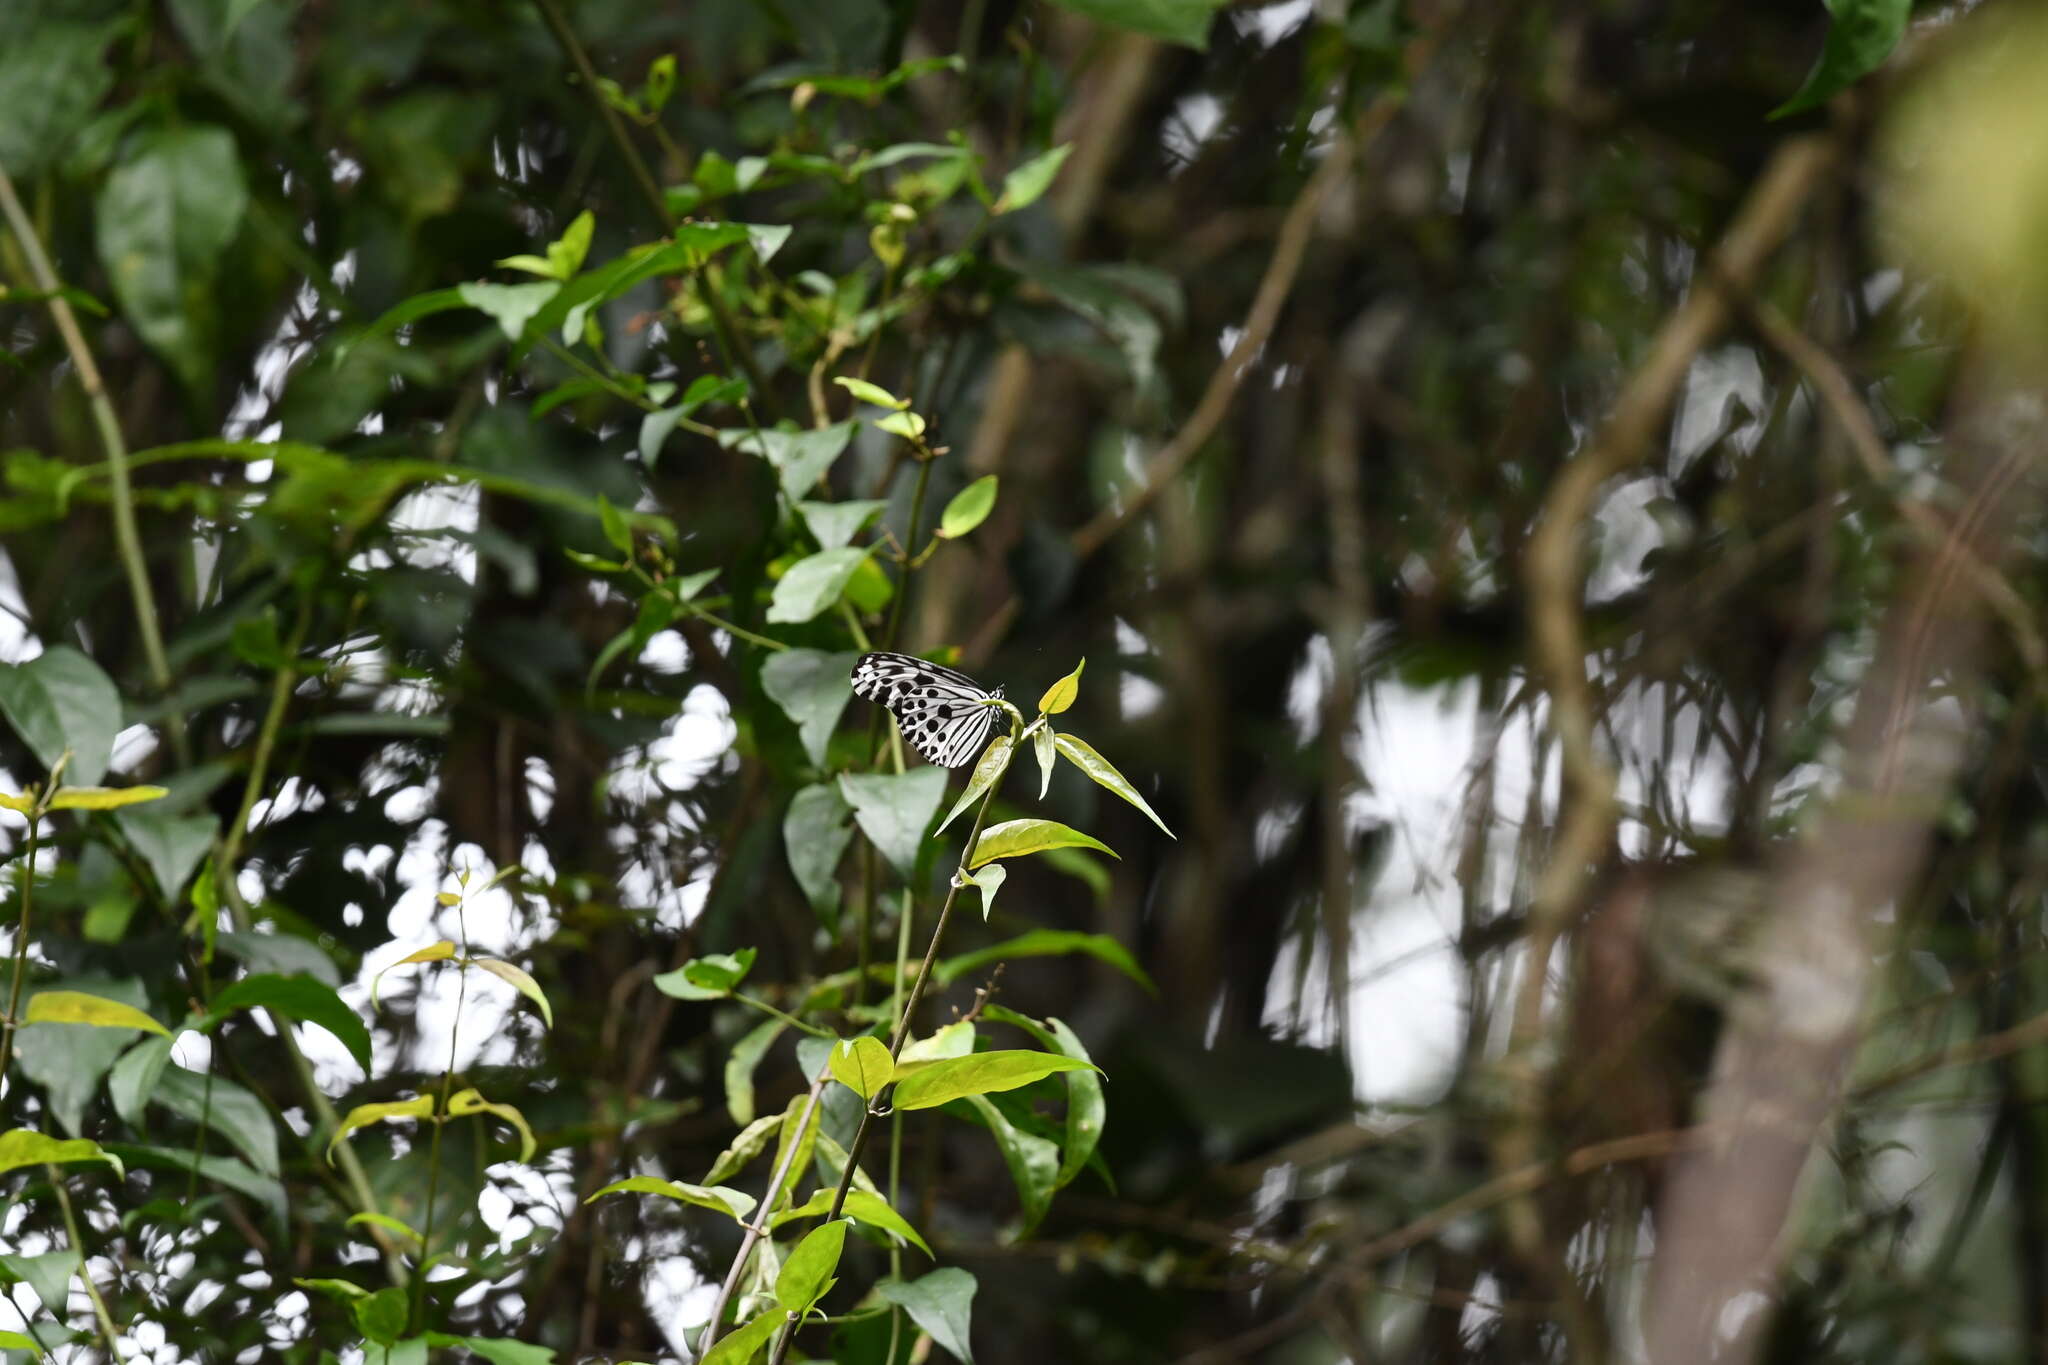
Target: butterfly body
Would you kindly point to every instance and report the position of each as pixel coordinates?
(944, 713)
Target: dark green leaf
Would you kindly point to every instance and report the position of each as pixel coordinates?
(1863, 34)
(63, 700)
(894, 810)
(300, 997)
(815, 832)
(52, 78)
(942, 1303)
(812, 689)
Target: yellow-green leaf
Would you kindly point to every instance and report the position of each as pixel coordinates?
(906, 424)
(1098, 768)
(1032, 179)
(995, 761)
(386, 1222)
(937, 1083)
(1061, 694)
(734, 1203)
(521, 982)
(76, 1007)
(27, 1147)
(969, 507)
(433, 952)
(1017, 838)
(807, 1274)
(363, 1115)
(739, 1346)
(20, 802)
(464, 1102)
(104, 798)
(862, 1065)
(872, 393)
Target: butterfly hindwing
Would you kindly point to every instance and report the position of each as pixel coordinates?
(940, 710)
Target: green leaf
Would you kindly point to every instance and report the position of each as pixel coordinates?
(811, 688)
(815, 832)
(434, 952)
(1045, 943)
(660, 82)
(740, 1064)
(512, 306)
(519, 980)
(1177, 21)
(863, 1206)
(616, 531)
(396, 1226)
(800, 458)
(862, 1065)
(15, 1341)
(994, 762)
(62, 700)
(990, 880)
(27, 1147)
(834, 524)
(813, 584)
(49, 1275)
(171, 845)
(936, 1083)
(1862, 34)
(1033, 1161)
(954, 1040)
(655, 429)
(566, 253)
(497, 1350)
(104, 798)
(1032, 179)
(1061, 694)
(221, 1170)
(894, 809)
(68, 1060)
(871, 393)
(165, 218)
(735, 1204)
(1041, 744)
(799, 1132)
(133, 1079)
(280, 953)
(381, 1316)
(807, 1275)
(1102, 298)
(908, 425)
(744, 1148)
(226, 1107)
(51, 69)
(1084, 757)
(969, 507)
(1086, 1112)
(77, 1007)
(465, 1102)
(301, 998)
(711, 977)
(362, 1115)
(1020, 838)
(738, 1346)
(942, 1303)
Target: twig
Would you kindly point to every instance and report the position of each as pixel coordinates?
(127, 539)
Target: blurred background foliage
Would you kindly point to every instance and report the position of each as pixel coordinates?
(1324, 318)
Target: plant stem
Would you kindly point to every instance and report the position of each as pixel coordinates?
(790, 1019)
(902, 1034)
(741, 632)
(754, 1229)
(127, 539)
(28, 883)
(92, 1291)
(419, 1302)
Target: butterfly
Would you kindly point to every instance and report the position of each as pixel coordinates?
(941, 711)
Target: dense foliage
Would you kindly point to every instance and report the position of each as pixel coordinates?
(1514, 832)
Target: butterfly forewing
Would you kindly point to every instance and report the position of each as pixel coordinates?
(941, 710)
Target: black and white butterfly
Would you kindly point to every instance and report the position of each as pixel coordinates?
(942, 712)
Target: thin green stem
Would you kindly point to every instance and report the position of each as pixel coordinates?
(28, 882)
(92, 1291)
(740, 631)
(419, 1302)
(127, 539)
(924, 974)
(813, 1029)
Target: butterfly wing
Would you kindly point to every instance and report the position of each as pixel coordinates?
(940, 710)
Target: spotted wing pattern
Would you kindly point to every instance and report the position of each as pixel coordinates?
(941, 710)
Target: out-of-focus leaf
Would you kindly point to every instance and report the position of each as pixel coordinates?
(511, 306)
(1177, 21)
(302, 998)
(710, 977)
(171, 845)
(1025, 184)
(1862, 34)
(77, 1007)
(466, 1102)
(165, 217)
(51, 71)
(68, 1060)
(871, 393)
(815, 832)
(49, 1275)
(226, 1107)
(519, 980)
(811, 688)
(62, 700)
(942, 1303)
(1045, 943)
(835, 524)
(894, 809)
(740, 1064)
(419, 1107)
(27, 1147)
(733, 1203)
(813, 584)
(800, 458)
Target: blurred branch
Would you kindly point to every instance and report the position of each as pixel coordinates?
(1556, 592)
(127, 539)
